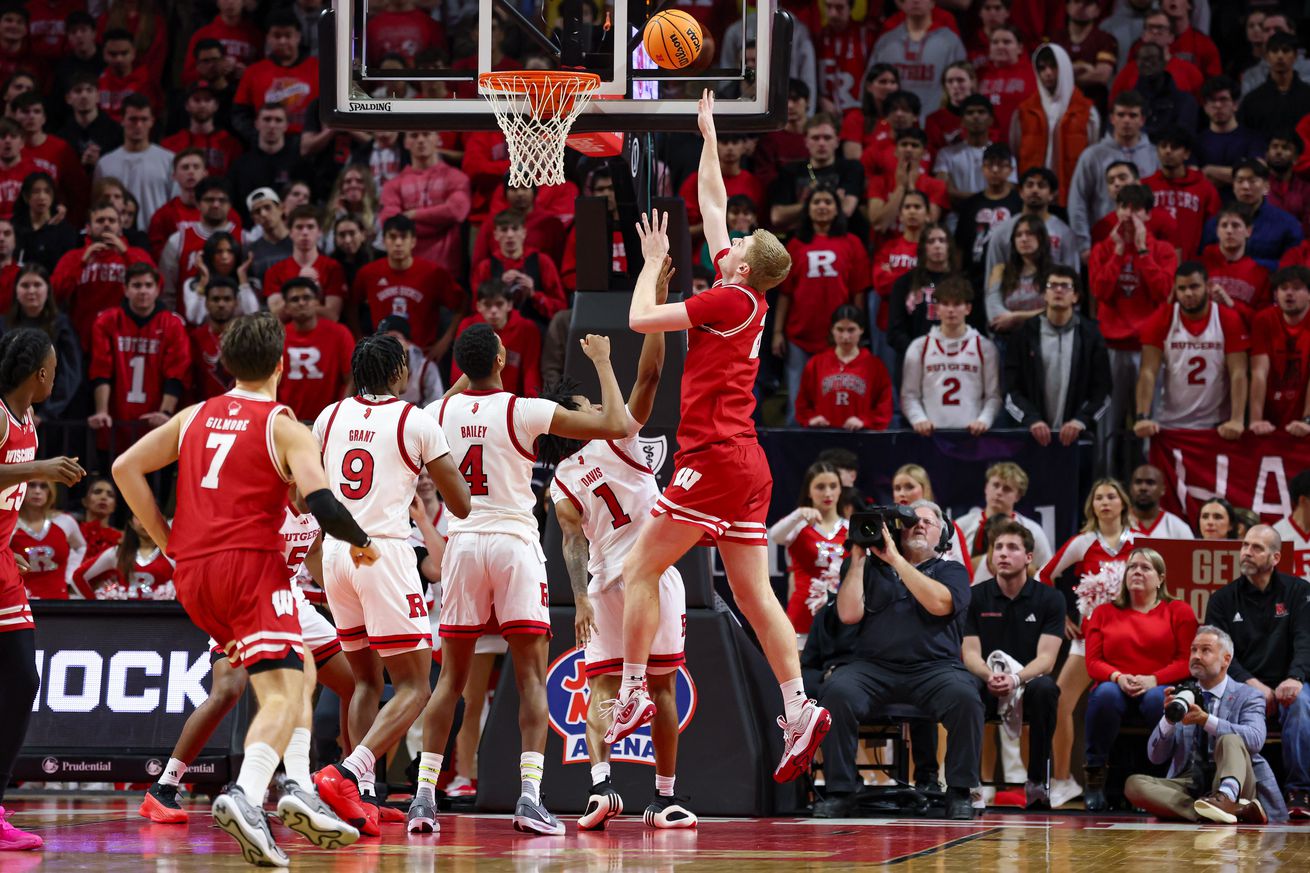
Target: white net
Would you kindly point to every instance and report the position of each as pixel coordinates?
(535, 113)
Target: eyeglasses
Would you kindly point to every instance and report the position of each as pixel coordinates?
(1059, 286)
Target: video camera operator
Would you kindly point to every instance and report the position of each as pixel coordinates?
(908, 602)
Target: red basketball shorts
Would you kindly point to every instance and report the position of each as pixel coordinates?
(724, 489)
(15, 614)
(244, 601)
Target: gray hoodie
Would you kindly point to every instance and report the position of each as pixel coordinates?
(920, 64)
(1089, 200)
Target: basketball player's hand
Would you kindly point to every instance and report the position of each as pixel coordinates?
(21, 560)
(1262, 427)
(100, 420)
(1231, 430)
(1146, 428)
(705, 114)
(596, 347)
(667, 272)
(65, 471)
(653, 230)
(978, 427)
(1041, 432)
(584, 621)
(364, 557)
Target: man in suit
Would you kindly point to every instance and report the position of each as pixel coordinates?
(1216, 771)
(1056, 366)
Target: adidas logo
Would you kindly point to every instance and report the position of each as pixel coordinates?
(1237, 617)
(1031, 617)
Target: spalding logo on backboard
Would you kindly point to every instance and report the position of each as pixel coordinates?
(566, 696)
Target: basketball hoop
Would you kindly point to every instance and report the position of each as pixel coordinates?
(536, 109)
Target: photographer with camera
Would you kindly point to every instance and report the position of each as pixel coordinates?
(1211, 733)
(909, 607)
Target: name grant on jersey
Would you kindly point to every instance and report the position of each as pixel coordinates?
(362, 436)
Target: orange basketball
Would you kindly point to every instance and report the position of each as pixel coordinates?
(673, 39)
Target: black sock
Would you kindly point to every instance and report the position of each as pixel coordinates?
(17, 691)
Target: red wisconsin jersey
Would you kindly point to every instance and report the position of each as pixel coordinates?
(209, 377)
(315, 367)
(331, 278)
(826, 272)
(231, 492)
(836, 390)
(141, 357)
(1288, 349)
(84, 288)
(17, 447)
(295, 87)
(53, 549)
(414, 293)
(723, 358)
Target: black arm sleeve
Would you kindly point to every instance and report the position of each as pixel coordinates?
(334, 518)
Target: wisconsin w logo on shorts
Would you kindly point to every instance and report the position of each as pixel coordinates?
(685, 478)
(284, 603)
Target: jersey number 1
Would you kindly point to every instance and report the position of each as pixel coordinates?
(606, 493)
(471, 469)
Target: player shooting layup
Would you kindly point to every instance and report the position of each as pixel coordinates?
(721, 483)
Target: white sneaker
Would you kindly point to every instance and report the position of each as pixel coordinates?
(627, 712)
(800, 740)
(1063, 791)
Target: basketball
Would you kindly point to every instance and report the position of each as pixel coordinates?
(673, 39)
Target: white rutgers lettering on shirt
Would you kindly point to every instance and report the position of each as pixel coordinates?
(140, 344)
(304, 363)
(820, 264)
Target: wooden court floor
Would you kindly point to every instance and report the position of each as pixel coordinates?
(103, 833)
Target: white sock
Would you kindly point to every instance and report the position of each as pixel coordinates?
(257, 771)
(600, 772)
(173, 773)
(793, 698)
(664, 785)
(634, 677)
(360, 762)
(530, 767)
(366, 784)
(429, 768)
(296, 758)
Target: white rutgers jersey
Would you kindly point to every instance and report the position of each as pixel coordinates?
(1195, 375)
(950, 382)
(299, 530)
(373, 451)
(614, 492)
(492, 437)
(1296, 548)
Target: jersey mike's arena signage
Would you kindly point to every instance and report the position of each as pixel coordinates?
(566, 697)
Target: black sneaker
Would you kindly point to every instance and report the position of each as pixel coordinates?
(836, 806)
(603, 804)
(959, 806)
(669, 812)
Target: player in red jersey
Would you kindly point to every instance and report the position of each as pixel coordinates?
(235, 455)
(27, 376)
(721, 483)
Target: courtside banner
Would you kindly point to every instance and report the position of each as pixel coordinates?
(1196, 569)
(118, 681)
(1252, 471)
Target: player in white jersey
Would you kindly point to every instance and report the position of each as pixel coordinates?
(1202, 348)
(374, 447)
(493, 558)
(603, 495)
(323, 666)
(1149, 518)
(1295, 529)
(951, 376)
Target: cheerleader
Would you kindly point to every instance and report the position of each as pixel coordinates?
(51, 542)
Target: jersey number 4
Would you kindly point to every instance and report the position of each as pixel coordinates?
(471, 468)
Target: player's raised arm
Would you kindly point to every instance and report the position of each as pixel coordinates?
(154, 451)
(451, 485)
(299, 452)
(648, 313)
(612, 421)
(651, 363)
(710, 190)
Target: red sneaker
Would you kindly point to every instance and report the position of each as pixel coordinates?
(800, 740)
(14, 840)
(390, 815)
(160, 805)
(372, 816)
(340, 791)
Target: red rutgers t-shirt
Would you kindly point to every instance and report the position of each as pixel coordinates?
(295, 87)
(414, 293)
(723, 358)
(315, 367)
(1288, 348)
(331, 278)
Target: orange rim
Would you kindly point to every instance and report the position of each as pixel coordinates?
(551, 92)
